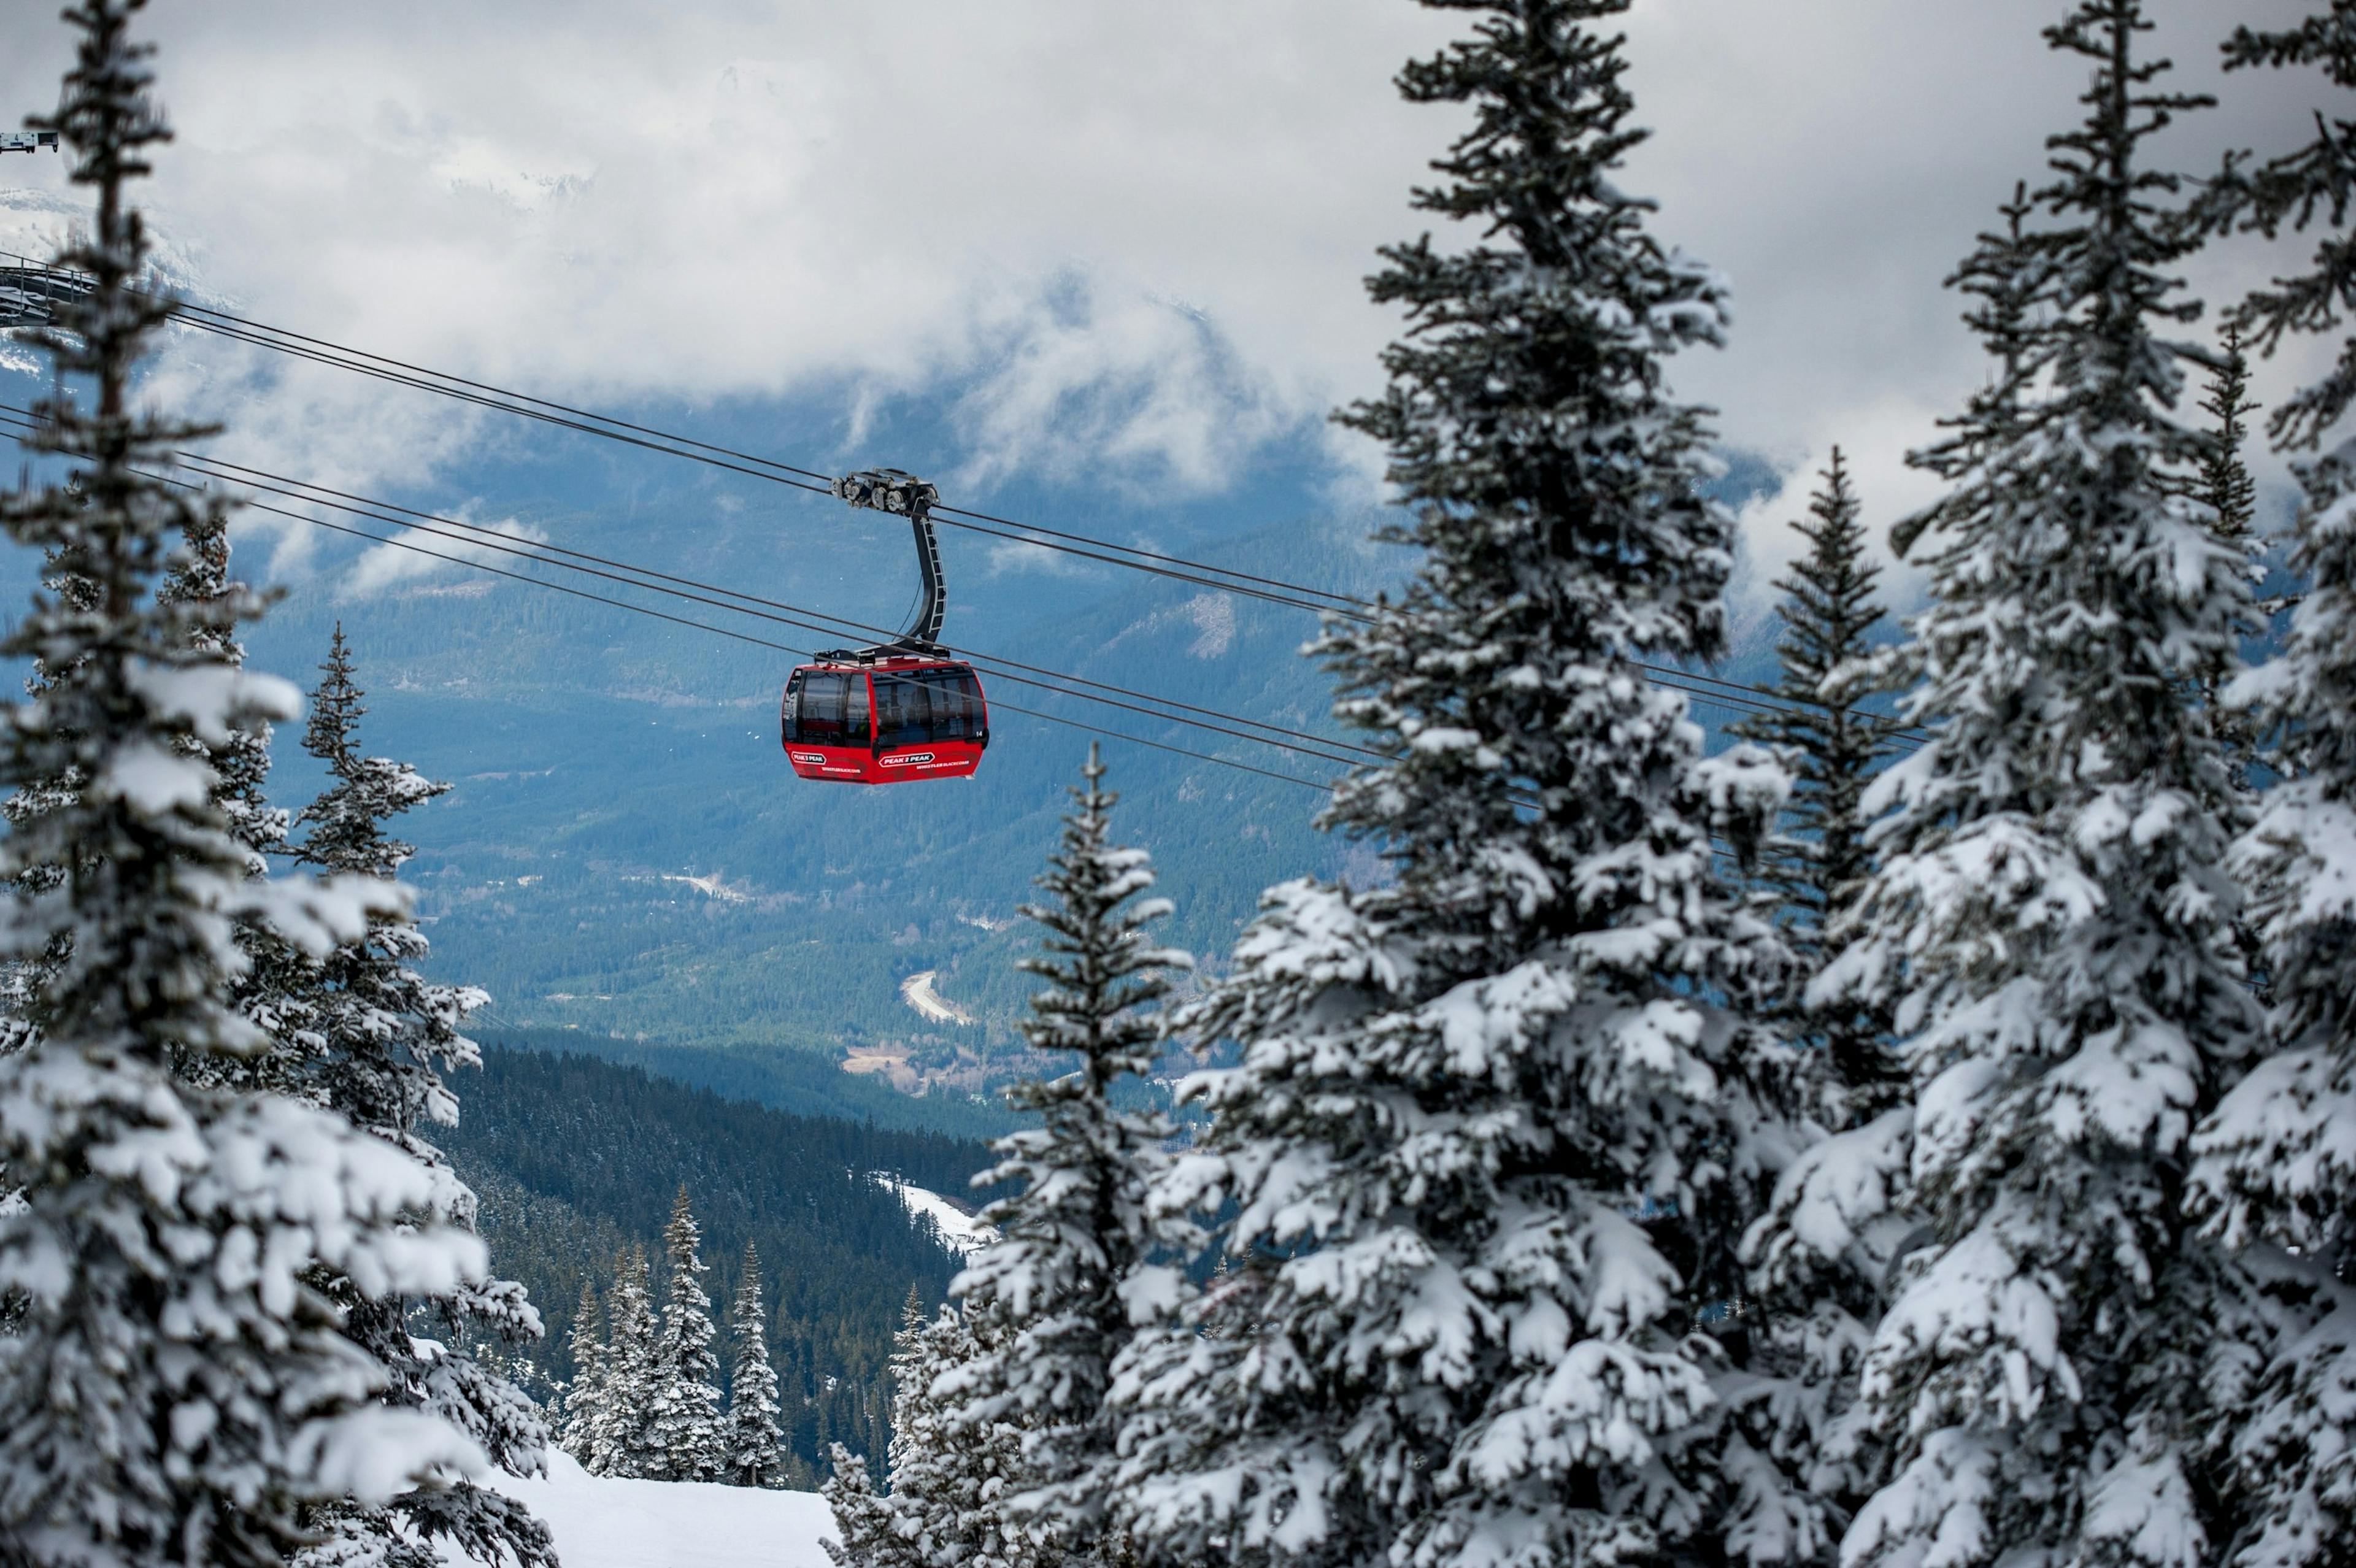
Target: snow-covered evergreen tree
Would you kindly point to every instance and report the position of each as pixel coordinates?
(1812, 1304)
(685, 1441)
(618, 1425)
(2275, 1167)
(2276, 1161)
(1495, 1128)
(867, 1522)
(755, 1442)
(1074, 1231)
(22, 976)
(387, 1036)
(950, 1477)
(377, 1038)
(1832, 750)
(866, 1532)
(272, 990)
(175, 1390)
(2052, 919)
(584, 1392)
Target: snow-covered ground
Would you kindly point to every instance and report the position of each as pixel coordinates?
(958, 1229)
(606, 1523)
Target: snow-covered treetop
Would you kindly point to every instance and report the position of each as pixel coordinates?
(2306, 188)
(347, 823)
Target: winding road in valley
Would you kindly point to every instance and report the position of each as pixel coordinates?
(917, 991)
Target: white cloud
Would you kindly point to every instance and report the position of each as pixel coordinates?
(383, 567)
(1013, 556)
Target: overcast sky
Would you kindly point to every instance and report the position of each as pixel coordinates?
(1013, 206)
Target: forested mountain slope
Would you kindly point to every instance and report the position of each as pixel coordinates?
(575, 1158)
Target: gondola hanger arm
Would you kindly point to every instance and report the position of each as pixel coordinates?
(904, 496)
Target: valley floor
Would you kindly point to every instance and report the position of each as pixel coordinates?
(608, 1523)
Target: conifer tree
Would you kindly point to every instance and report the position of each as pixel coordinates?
(1832, 750)
(755, 1442)
(619, 1443)
(684, 1439)
(947, 1476)
(2305, 189)
(868, 1521)
(2052, 922)
(388, 1036)
(1074, 1234)
(2225, 482)
(2275, 1167)
(1811, 1306)
(374, 1039)
(1825, 1256)
(176, 1389)
(1493, 1126)
(585, 1395)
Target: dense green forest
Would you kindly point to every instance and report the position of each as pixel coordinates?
(575, 1158)
(789, 1078)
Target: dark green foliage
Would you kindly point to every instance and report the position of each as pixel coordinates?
(574, 1156)
(555, 1248)
(2309, 186)
(1832, 749)
(2225, 482)
(796, 1079)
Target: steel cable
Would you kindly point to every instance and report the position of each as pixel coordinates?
(20, 420)
(566, 416)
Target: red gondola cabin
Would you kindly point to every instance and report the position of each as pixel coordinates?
(890, 720)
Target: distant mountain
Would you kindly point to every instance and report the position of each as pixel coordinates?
(626, 857)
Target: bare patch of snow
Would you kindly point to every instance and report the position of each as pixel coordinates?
(1214, 615)
(713, 887)
(961, 1229)
(606, 1522)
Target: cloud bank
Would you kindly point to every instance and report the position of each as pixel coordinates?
(1093, 239)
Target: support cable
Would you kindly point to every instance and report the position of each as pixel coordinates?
(523, 549)
(24, 426)
(1275, 591)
